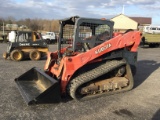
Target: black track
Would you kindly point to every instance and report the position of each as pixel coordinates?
(95, 73)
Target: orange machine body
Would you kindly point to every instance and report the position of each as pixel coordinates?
(70, 64)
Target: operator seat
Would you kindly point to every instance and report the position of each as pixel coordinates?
(95, 40)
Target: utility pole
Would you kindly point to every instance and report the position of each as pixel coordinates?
(3, 28)
(123, 10)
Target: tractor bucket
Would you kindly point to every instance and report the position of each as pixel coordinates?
(37, 87)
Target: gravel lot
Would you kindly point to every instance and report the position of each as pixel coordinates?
(141, 103)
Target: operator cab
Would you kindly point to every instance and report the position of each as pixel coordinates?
(24, 36)
(85, 33)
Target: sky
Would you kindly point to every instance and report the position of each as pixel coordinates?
(59, 9)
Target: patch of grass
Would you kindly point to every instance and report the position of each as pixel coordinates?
(152, 37)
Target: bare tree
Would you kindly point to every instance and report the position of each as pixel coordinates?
(55, 25)
(33, 24)
(27, 22)
(10, 20)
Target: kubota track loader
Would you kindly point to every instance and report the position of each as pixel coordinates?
(96, 63)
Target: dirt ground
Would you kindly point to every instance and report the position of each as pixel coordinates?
(141, 103)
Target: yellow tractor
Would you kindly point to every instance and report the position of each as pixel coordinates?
(25, 44)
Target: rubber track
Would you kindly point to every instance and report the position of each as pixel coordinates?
(92, 74)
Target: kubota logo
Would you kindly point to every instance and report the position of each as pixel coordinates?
(103, 48)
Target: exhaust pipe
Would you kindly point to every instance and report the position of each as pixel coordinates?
(37, 87)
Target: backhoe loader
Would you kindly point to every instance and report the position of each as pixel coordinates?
(96, 63)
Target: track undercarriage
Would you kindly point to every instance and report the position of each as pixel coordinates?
(109, 78)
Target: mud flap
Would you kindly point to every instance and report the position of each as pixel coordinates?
(36, 87)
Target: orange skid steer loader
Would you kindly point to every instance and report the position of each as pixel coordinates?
(95, 63)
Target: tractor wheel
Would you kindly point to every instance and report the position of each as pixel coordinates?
(16, 55)
(5, 55)
(152, 45)
(35, 55)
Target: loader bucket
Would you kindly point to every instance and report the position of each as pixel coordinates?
(37, 87)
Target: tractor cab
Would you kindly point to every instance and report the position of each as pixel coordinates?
(24, 36)
(84, 33)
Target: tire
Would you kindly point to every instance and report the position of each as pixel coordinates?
(16, 55)
(152, 45)
(35, 55)
(5, 55)
(1, 41)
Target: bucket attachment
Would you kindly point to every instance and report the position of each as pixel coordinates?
(36, 86)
